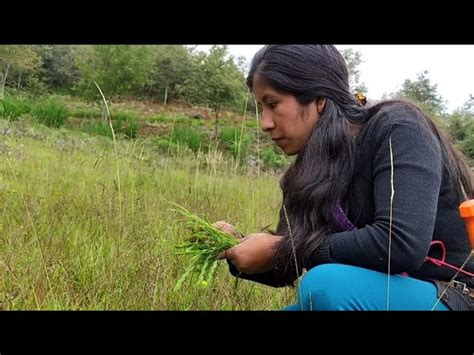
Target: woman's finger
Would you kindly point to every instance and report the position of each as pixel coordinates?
(222, 255)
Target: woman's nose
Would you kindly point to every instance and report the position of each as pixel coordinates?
(267, 122)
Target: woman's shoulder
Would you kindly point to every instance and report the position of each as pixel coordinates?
(394, 117)
(395, 111)
(385, 115)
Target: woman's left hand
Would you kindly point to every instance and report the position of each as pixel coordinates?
(254, 254)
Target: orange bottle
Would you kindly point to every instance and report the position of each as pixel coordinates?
(467, 213)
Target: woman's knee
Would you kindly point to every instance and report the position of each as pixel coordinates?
(320, 287)
(323, 275)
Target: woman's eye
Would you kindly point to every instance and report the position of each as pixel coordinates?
(272, 105)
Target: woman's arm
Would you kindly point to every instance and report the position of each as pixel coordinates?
(417, 172)
(258, 251)
(266, 278)
(254, 259)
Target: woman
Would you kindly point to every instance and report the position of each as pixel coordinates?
(372, 192)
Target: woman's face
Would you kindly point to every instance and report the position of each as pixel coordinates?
(287, 121)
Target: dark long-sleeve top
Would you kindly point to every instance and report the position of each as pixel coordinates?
(425, 206)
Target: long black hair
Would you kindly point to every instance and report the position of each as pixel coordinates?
(319, 178)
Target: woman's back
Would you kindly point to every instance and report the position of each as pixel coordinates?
(423, 194)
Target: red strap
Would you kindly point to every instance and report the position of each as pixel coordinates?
(441, 262)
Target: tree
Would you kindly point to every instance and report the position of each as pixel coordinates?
(461, 127)
(353, 61)
(424, 92)
(117, 69)
(216, 82)
(59, 70)
(467, 146)
(172, 66)
(16, 58)
(468, 106)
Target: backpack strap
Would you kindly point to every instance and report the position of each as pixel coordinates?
(442, 262)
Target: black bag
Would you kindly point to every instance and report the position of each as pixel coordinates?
(456, 295)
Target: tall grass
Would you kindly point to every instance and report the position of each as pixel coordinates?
(184, 135)
(123, 123)
(50, 112)
(63, 244)
(12, 108)
(236, 141)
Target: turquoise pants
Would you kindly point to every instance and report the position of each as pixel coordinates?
(331, 287)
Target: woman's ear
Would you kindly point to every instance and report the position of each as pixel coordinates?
(320, 104)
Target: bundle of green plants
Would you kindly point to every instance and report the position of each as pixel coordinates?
(202, 245)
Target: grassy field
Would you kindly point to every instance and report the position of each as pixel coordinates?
(85, 226)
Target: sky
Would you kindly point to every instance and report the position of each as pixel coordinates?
(384, 68)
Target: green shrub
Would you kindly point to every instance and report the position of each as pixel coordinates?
(272, 159)
(86, 113)
(97, 129)
(50, 113)
(184, 135)
(125, 123)
(164, 145)
(237, 145)
(13, 107)
(251, 124)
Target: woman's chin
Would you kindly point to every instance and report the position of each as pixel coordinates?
(289, 151)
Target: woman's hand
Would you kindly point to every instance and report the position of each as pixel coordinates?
(227, 228)
(254, 254)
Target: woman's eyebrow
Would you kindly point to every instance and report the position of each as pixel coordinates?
(267, 97)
